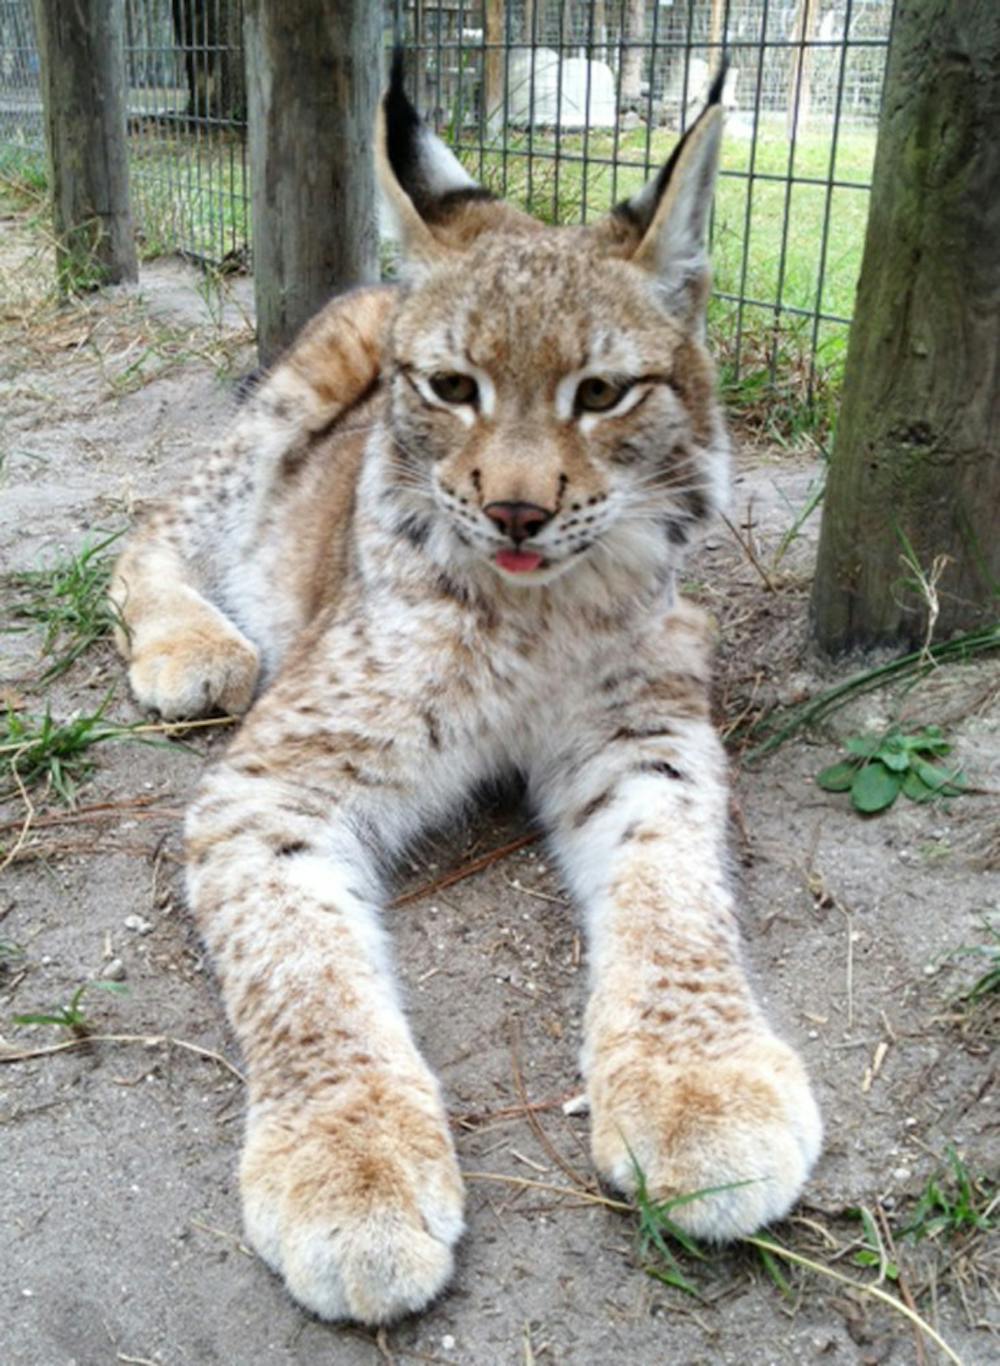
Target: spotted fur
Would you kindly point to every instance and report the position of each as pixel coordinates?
(342, 560)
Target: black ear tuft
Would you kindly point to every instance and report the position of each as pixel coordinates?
(719, 83)
(402, 129)
(639, 210)
(422, 166)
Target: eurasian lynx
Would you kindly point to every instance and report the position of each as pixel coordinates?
(441, 542)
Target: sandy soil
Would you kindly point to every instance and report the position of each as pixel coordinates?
(119, 1218)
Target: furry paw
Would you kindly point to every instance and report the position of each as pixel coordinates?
(747, 1121)
(358, 1212)
(194, 671)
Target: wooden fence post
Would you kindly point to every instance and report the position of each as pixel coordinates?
(82, 63)
(313, 81)
(909, 544)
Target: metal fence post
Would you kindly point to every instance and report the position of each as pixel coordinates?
(83, 91)
(313, 79)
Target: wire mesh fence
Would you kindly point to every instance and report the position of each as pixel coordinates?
(565, 107)
(187, 127)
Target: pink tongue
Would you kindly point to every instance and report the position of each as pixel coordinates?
(518, 561)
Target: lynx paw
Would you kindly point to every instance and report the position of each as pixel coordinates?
(746, 1118)
(359, 1214)
(195, 671)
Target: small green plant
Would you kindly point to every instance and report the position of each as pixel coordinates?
(963, 1204)
(9, 952)
(657, 1231)
(70, 600)
(989, 982)
(881, 767)
(872, 1252)
(71, 1016)
(38, 749)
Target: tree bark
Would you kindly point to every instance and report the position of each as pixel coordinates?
(915, 472)
(494, 35)
(82, 62)
(634, 24)
(208, 33)
(313, 81)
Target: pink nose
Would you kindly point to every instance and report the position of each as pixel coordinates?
(518, 520)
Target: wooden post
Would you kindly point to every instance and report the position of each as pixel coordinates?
(914, 482)
(634, 25)
(81, 53)
(313, 82)
(494, 35)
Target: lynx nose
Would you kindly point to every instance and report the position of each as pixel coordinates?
(518, 520)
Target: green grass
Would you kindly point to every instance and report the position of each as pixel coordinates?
(40, 751)
(772, 729)
(189, 194)
(23, 170)
(71, 1016)
(953, 1203)
(988, 982)
(69, 600)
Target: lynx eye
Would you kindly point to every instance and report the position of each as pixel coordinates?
(597, 395)
(455, 388)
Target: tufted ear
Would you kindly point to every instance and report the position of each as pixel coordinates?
(436, 204)
(664, 228)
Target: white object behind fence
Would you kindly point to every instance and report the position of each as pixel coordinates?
(537, 94)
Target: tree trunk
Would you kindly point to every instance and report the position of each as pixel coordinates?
(494, 35)
(313, 80)
(632, 57)
(208, 32)
(82, 61)
(800, 74)
(915, 473)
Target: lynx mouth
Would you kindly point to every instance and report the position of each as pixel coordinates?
(519, 561)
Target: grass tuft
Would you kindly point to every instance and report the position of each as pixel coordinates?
(988, 983)
(71, 1016)
(779, 725)
(70, 602)
(953, 1203)
(38, 750)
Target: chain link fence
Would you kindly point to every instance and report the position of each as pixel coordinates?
(565, 107)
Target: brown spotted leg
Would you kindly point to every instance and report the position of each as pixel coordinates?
(686, 1081)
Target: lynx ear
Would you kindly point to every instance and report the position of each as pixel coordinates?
(425, 185)
(666, 223)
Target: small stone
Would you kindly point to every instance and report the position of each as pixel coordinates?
(929, 969)
(813, 1034)
(136, 924)
(114, 971)
(448, 1342)
(901, 1173)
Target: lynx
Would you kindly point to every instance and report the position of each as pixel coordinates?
(440, 544)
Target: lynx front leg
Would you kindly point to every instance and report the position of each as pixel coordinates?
(350, 1183)
(186, 658)
(686, 1081)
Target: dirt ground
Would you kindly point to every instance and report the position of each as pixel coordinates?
(119, 1219)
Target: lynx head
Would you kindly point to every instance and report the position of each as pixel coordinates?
(552, 401)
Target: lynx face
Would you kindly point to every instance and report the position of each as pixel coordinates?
(551, 398)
